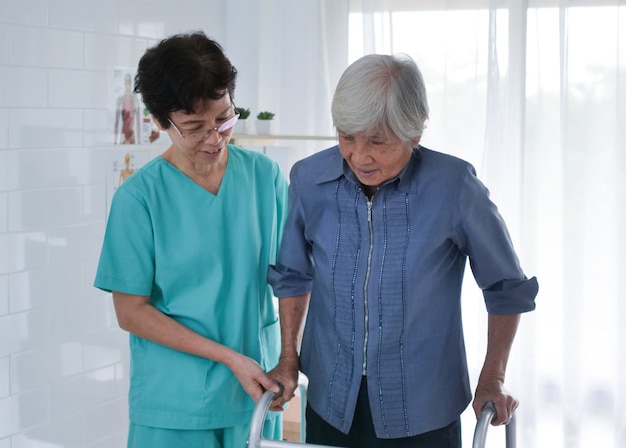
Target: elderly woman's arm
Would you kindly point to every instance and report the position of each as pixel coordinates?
(136, 315)
(292, 311)
(502, 329)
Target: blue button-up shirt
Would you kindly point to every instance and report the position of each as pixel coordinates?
(385, 280)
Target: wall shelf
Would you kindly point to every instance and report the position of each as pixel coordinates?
(271, 139)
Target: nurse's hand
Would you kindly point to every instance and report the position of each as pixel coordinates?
(252, 377)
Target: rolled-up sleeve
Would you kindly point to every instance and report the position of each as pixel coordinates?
(485, 239)
(288, 283)
(511, 296)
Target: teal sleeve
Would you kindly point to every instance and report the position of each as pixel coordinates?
(282, 201)
(127, 257)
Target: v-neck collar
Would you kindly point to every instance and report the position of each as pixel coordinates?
(198, 185)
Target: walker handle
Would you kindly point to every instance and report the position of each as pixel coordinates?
(256, 439)
(482, 425)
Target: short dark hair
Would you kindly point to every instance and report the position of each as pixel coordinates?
(180, 71)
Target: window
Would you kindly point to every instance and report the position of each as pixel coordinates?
(535, 98)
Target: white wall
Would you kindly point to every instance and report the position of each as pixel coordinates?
(290, 55)
(63, 360)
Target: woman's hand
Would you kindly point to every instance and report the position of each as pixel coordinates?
(491, 389)
(285, 373)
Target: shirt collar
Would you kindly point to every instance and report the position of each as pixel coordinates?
(338, 167)
(407, 177)
(334, 168)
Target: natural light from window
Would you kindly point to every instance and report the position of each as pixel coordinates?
(571, 370)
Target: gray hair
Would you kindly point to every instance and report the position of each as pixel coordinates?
(381, 93)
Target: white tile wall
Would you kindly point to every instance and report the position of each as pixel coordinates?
(26, 12)
(77, 89)
(99, 17)
(20, 411)
(22, 251)
(5, 379)
(43, 47)
(22, 169)
(4, 43)
(23, 87)
(4, 298)
(70, 167)
(96, 128)
(103, 51)
(45, 128)
(23, 332)
(63, 360)
(44, 287)
(4, 128)
(4, 212)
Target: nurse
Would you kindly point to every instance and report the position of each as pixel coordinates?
(187, 247)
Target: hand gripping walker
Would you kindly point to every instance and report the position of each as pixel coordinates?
(260, 411)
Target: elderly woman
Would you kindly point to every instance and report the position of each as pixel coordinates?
(374, 248)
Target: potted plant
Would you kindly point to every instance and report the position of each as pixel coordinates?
(241, 125)
(264, 122)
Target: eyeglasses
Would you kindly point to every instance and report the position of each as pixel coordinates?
(198, 136)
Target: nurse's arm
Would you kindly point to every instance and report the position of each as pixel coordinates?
(136, 315)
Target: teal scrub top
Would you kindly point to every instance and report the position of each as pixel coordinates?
(203, 260)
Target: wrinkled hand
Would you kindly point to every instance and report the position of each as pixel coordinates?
(491, 389)
(252, 377)
(285, 373)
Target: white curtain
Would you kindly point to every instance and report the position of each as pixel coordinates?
(290, 55)
(534, 94)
